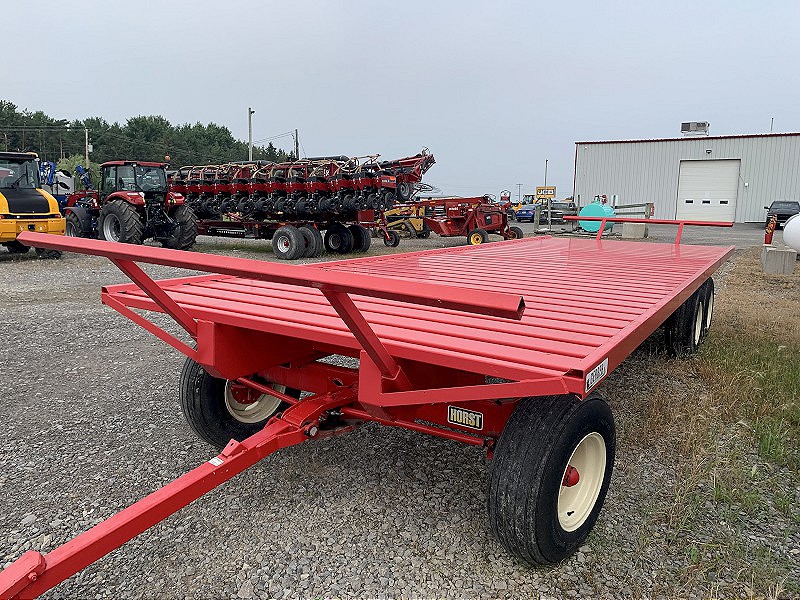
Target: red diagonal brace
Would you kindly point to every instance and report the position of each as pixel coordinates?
(355, 321)
(157, 294)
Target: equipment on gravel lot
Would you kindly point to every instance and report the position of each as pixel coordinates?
(132, 204)
(336, 194)
(24, 206)
(475, 218)
(498, 353)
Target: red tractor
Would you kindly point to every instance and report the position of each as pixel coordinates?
(132, 204)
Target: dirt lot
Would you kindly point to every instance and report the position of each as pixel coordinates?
(699, 506)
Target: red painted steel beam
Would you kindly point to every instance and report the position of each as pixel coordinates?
(498, 304)
(33, 573)
(650, 221)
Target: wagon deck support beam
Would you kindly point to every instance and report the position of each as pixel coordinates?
(34, 573)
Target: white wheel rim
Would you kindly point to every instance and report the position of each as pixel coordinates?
(698, 323)
(111, 228)
(283, 243)
(709, 310)
(252, 412)
(575, 502)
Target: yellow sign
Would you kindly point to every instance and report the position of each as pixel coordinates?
(546, 192)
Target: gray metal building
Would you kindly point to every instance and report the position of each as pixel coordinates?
(710, 178)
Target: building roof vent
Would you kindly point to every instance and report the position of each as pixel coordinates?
(695, 128)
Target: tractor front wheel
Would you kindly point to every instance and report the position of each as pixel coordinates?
(120, 222)
(219, 410)
(184, 235)
(550, 474)
(74, 227)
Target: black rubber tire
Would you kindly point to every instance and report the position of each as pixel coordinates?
(203, 404)
(516, 233)
(425, 232)
(528, 469)
(512, 216)
(338, 239)
(361, 239)
(682, 337)
(404, 191)
(130, 230)
(310, 240)
(74, 227)
(184, 235)
(48, 253)
(320, 243)
(477, 236)
(288, 243)
(707, 296)
(15, 247)
(391, 239)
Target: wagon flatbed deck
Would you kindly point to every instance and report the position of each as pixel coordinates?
(547, 318)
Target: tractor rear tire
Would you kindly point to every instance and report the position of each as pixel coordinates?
(391, 239)
(213, 412)
(361, 238)
(535, 511)
(288, 243)
(120, 222)
(477, 236)
(184, 235)
(339, 239)
(48, 253)
(15, 247)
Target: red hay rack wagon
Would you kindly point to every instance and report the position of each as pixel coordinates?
(500, 346)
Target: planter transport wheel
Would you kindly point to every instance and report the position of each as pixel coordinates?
(219, 410)
(339, 239)
(361, 238)
(477, 236)
(550, 474)
(311, 247)
(119, 222)
(288, 243)
(391, 239)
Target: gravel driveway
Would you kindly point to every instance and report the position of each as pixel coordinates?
(91, 422)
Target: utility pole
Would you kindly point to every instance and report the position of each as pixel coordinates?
(250, 113)
(86, 145)
(296, 146)
(771, 122)
(545, 172)
(519, 193)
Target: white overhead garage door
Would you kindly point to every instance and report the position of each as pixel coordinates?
(707, 190)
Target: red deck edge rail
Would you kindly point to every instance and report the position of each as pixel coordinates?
(497, 304)
(679, 223)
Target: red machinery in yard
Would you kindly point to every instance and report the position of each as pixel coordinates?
(474, 218)
(335, 194)
(500, 346)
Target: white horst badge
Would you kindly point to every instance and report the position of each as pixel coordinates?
(594, 376)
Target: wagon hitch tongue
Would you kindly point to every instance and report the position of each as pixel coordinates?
(34, 573)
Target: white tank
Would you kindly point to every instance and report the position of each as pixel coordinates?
(791, 233)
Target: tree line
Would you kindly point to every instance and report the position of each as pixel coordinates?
(151, 138)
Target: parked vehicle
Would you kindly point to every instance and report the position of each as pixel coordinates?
(132, 205)
(783, 209)
(24, 205)
(526, 212)
(558, 210)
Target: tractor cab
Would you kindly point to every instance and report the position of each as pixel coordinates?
(148, 180)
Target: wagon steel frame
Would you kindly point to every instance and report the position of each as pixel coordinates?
(426, 331)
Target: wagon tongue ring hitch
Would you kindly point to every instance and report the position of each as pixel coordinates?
(571, 476)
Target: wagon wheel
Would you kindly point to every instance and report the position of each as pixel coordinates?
(683, 330)
(219, 410)
(550, 474)
(707, 293)
(477, 236)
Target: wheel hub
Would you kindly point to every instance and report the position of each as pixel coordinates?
(581, 482)
(249, 406)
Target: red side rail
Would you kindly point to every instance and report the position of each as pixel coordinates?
(679, 223)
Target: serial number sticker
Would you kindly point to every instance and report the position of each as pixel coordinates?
(464, 417)
(595, 375)
(216, 461)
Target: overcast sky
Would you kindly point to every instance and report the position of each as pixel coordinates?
(492, 88)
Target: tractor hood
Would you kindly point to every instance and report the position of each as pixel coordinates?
(23, 201)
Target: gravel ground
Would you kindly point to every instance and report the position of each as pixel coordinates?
(91, 422)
